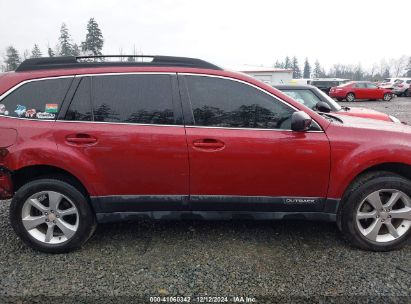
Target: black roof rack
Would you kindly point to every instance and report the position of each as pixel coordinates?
(99, 61)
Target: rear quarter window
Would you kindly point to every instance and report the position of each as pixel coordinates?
(40, 99)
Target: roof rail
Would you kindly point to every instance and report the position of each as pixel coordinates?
(99, 61)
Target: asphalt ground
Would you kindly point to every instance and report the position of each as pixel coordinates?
(281, 261)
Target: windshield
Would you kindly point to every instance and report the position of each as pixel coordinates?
(308, 98)
(333, 104)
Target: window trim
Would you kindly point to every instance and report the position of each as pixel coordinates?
(187, 103)
(181, 101)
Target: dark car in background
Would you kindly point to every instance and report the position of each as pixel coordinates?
(325, 84)
(314, 98)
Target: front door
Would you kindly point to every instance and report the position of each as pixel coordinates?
(128, 141)
(243, 155)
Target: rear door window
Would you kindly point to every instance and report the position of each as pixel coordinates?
(40, 99)
(142, 99)
(80, 107)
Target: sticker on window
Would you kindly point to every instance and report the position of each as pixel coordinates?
(31, 113)
(44, 115)
(3, 110)
(20, 110)
(51, 108)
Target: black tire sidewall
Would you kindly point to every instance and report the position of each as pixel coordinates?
(86, 215)
(349, 210)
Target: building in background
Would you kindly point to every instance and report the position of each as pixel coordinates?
(272, 76)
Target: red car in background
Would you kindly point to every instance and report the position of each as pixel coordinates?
(360, 90)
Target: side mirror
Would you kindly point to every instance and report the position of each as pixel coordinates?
(300, 121)
(323, 107)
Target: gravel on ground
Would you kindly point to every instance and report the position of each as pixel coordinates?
(260, 260)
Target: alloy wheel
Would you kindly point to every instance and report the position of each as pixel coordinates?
(384, 215)
(50, 217)
(350, 97)
(387, 97)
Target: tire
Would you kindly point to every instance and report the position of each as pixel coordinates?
(340, 99)
(387, 97)
(350, 97)
(405, 94)
(354, 220)
(73, 213)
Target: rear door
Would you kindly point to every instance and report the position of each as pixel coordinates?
(125, 133)
(360, 90)
(243, 155)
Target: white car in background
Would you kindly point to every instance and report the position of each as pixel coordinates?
(388, 83)
(402, 86)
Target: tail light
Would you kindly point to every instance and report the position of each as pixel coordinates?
(400, 85)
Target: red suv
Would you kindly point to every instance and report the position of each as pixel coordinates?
(360, 90)
(86, 142)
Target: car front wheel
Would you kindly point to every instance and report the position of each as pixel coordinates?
(376, 212)
(52, 216)
(350, 97)
(387, 97)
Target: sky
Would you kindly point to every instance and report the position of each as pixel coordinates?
(225, 32)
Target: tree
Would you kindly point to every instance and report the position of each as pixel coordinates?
(318, 71)
(76, 50)
(408, 74)
(36, 53)
(278, 65)
(50, 52)
(12, 59)
(398, 66)
(307, 69)
(94, 39)
(386, 73)
(358, 73)
(296, 68)
(66, 47)
(287, 63)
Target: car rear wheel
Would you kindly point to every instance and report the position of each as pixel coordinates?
(387, 97)
(376, 212)
(52, 216)
(405, 94)
(350, 97)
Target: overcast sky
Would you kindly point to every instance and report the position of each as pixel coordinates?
(226, 32)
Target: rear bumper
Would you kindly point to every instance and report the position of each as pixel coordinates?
(6, 184)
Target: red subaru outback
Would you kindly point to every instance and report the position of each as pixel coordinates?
(86, 142)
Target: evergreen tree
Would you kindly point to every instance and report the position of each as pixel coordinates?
(76, 50)
(307, 69)
(296, 68)
(50, 52)
(36, 53)
(12, 59)
(278, 65)
(287, 63)
(94, 39)
(66, 48)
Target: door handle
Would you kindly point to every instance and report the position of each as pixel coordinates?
(81, 139)
(208, 144)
